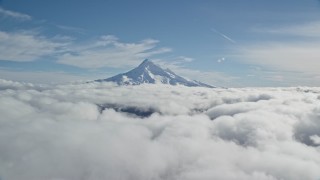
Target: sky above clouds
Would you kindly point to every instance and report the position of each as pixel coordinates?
(224, 43)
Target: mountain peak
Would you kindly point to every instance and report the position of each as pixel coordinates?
(146, 62)
(148, 72)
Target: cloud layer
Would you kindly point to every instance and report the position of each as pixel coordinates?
(108, 51)
(61, 132)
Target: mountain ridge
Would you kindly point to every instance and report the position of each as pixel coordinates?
(149, 73)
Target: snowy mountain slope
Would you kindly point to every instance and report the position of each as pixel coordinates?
(148, 72)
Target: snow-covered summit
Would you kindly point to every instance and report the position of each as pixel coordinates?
(148, 72)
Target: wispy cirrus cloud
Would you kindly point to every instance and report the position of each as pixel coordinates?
(71, 29)
(109, 51)
(15, 15)
(310, 29)
(299, 56)
(293, 63)
(211, 77)
(45, 77)
(299, 53)
(27, 46)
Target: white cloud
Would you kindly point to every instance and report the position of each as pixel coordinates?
(16, 15)
(293, 59)
(214, 78)
(72, 29)
(300, 57)
(183, 59)
(211, 77)
(27, 46)
(60, 133)
(43, 77)
(311, 29)
(315, 139)
(297, 58)
(5, 84)
(108, 51)
(105, 52)
(274, 78)
(221, 60)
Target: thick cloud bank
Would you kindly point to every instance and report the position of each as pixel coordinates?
(102, 131)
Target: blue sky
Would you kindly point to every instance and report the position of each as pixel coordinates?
(232, 43)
